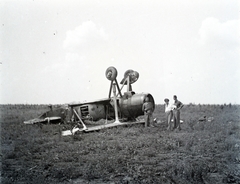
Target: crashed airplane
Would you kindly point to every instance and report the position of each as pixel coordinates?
(124, 108)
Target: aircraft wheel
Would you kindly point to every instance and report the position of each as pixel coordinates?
(133, 75)
(111, 73)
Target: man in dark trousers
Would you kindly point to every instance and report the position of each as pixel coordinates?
(147, 108)
(176, 112)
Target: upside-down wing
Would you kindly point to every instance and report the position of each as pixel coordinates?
(104, 101)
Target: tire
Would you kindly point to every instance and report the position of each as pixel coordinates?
(133, 75)
(111, 73)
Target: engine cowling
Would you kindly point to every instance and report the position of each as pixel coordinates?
(132, 106)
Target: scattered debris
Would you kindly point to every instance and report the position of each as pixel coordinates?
(204, 119)
(210, 119)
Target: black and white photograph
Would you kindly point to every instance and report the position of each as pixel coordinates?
(119, 92)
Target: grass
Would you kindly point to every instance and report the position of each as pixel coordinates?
(202, 152)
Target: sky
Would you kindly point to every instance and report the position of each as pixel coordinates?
(54, 52)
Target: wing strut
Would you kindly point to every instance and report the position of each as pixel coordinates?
(115, 103)
(84, 126)
(110, 89)
(118, 88)
(123, 82)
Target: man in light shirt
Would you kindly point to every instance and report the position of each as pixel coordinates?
(169, 112)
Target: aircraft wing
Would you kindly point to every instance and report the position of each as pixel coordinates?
(101, 101)
(42, 120)
(99, 127)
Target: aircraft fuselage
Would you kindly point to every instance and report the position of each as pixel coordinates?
(129, 107)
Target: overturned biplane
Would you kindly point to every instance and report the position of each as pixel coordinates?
(124, 108)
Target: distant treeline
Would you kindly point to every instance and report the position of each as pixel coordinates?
(57, 105)
(24, 106)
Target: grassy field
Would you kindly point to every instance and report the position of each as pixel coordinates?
(202, 152)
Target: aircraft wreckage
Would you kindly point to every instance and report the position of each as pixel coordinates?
(124, 108)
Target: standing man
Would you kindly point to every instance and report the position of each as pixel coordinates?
(169, 113)
(147, 108)
(176, 112)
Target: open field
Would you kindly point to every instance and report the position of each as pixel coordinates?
(202, 152)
